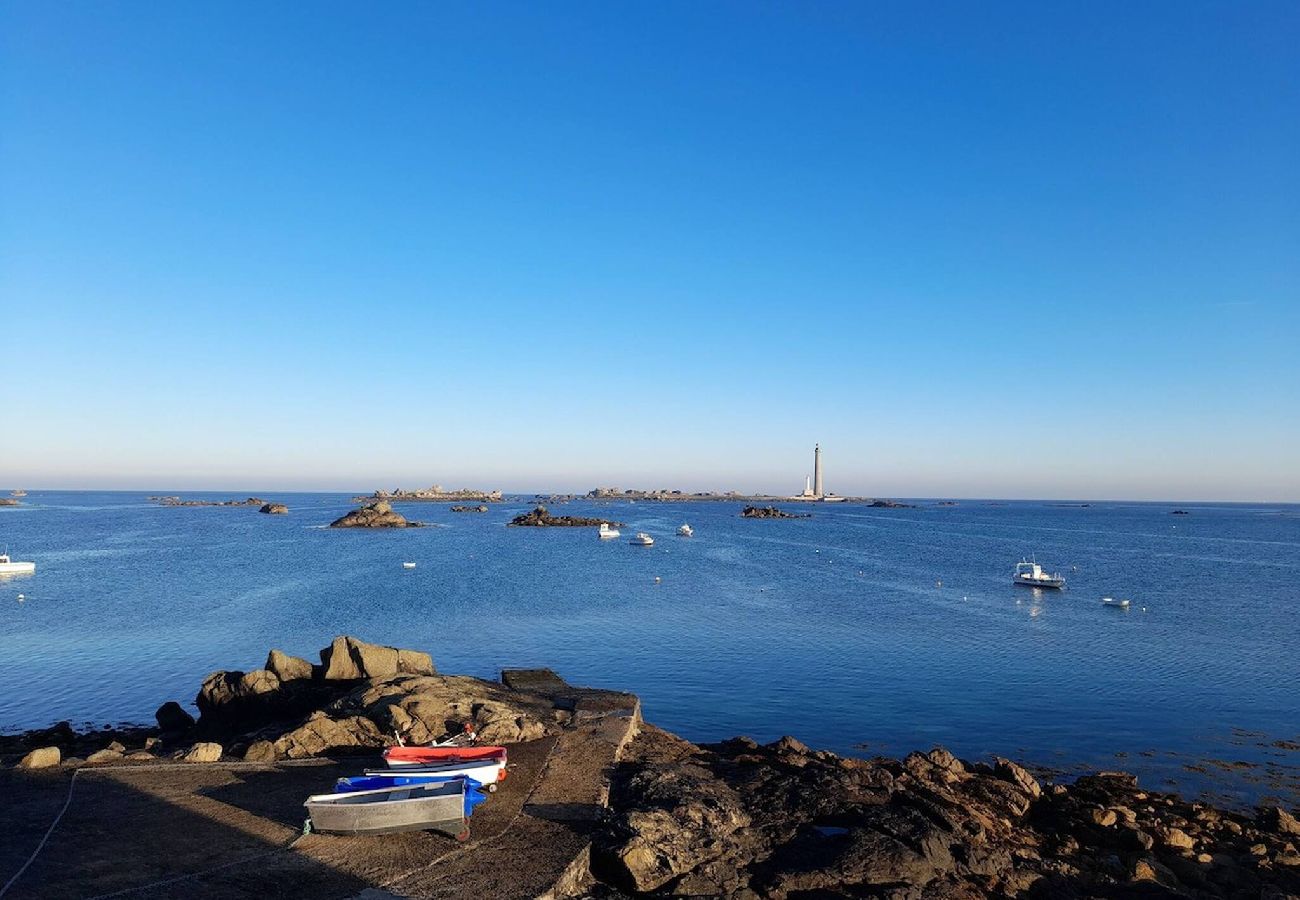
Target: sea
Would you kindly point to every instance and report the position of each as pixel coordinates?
(862, 630)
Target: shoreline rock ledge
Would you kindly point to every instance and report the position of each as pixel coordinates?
(379, 514)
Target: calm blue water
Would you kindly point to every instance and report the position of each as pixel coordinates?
(832, 628)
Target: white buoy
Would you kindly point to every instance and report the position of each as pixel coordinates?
(22, 597)
(657, 579)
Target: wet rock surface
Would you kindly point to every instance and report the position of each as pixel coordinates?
(541, 517)
(379, 514)
(738, 819)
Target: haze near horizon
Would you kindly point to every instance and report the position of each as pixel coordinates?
(1011, 251)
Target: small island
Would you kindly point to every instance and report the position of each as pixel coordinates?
(9, 501)
(481, 508)
(177, 501)
(379, 514)
(274, 509)
(541, 517)
(434, 494)
(892, 504)
(1180, 512)
(770, 512)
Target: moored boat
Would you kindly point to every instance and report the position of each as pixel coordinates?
(436, 806)
(11, 567)
(686, 531)
(607, 531)
(1031, 574)
(1110, 601)
(642, 540)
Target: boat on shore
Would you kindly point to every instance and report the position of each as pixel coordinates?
(1031, 574)
(14, 567)
(642, 540)
(686, 531)
(434, 806)
(606, 531)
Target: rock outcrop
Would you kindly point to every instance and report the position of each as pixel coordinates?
(41, 758)
(286, 667)
(379, 514)
(274, 509)
(481, 508)
(741, 820)
(770, 512)
(177, 501)
(890, 504)
(361, 695)
(541, 517)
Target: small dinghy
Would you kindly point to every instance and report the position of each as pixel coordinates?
(425, 756)
(408, 565)
(1110, 601)
(438, 806)
(686, 531)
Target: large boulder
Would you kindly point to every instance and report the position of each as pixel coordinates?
(286, 667)
(259, 681)
(274, 509)
(172, 718)
(205, 752)
(321, 734)
(349, 659)
(41, 758)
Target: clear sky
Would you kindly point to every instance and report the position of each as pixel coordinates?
(1017, 250)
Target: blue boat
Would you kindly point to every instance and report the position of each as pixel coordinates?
(473, 788)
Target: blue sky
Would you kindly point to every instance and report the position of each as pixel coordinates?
(1019, 250)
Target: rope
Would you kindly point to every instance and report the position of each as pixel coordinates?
(41, 846)
(68, 802)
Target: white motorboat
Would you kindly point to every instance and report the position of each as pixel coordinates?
(18, 492)
(607, 531)
(1110, 601)
(686, 531)
(1031, 573)
(642, 540)
(9, 567)
(408, 565)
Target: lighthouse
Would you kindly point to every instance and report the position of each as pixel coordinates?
(817, 471)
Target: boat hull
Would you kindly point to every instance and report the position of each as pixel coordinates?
(17, 568)
(487, 773)
(431, 807)
(432, 756)
(1050, 585)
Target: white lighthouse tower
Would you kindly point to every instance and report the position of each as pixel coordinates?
(817, 472)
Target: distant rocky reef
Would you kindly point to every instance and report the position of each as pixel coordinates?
(379, 514)
(894, 504)
(177, 501)
(481, 508)
(9, 501)
(542, 517)
(434, 494)
(274, 509)
(770, 512)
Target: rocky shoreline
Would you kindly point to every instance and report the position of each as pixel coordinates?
(177, 501)
(735, 819)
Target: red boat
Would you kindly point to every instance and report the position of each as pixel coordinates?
(438, 756)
